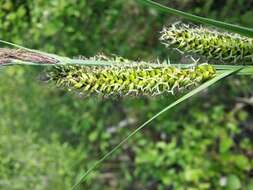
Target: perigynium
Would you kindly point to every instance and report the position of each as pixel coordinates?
(143, 79)
(212, 44)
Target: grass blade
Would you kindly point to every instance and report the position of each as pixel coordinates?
(245, 31)
(180, 100)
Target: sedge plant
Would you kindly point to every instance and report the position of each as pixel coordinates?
(229, 50)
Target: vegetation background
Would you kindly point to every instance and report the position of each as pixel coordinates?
(50, 136)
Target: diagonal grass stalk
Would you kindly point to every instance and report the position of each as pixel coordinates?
(180, 100)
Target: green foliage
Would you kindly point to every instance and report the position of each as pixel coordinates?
(205, 144)
(73, 27)
(29, 162)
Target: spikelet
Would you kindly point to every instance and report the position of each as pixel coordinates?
(212, 44)
(130, 80)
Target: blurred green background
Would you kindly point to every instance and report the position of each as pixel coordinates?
(48, 136)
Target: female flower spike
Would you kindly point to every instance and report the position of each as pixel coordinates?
(209, 43)
(132, 80)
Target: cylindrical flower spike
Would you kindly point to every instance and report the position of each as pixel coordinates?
(212, 44)
(124, 80)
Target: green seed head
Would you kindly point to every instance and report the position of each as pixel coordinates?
(123, 80)
(209, 43)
